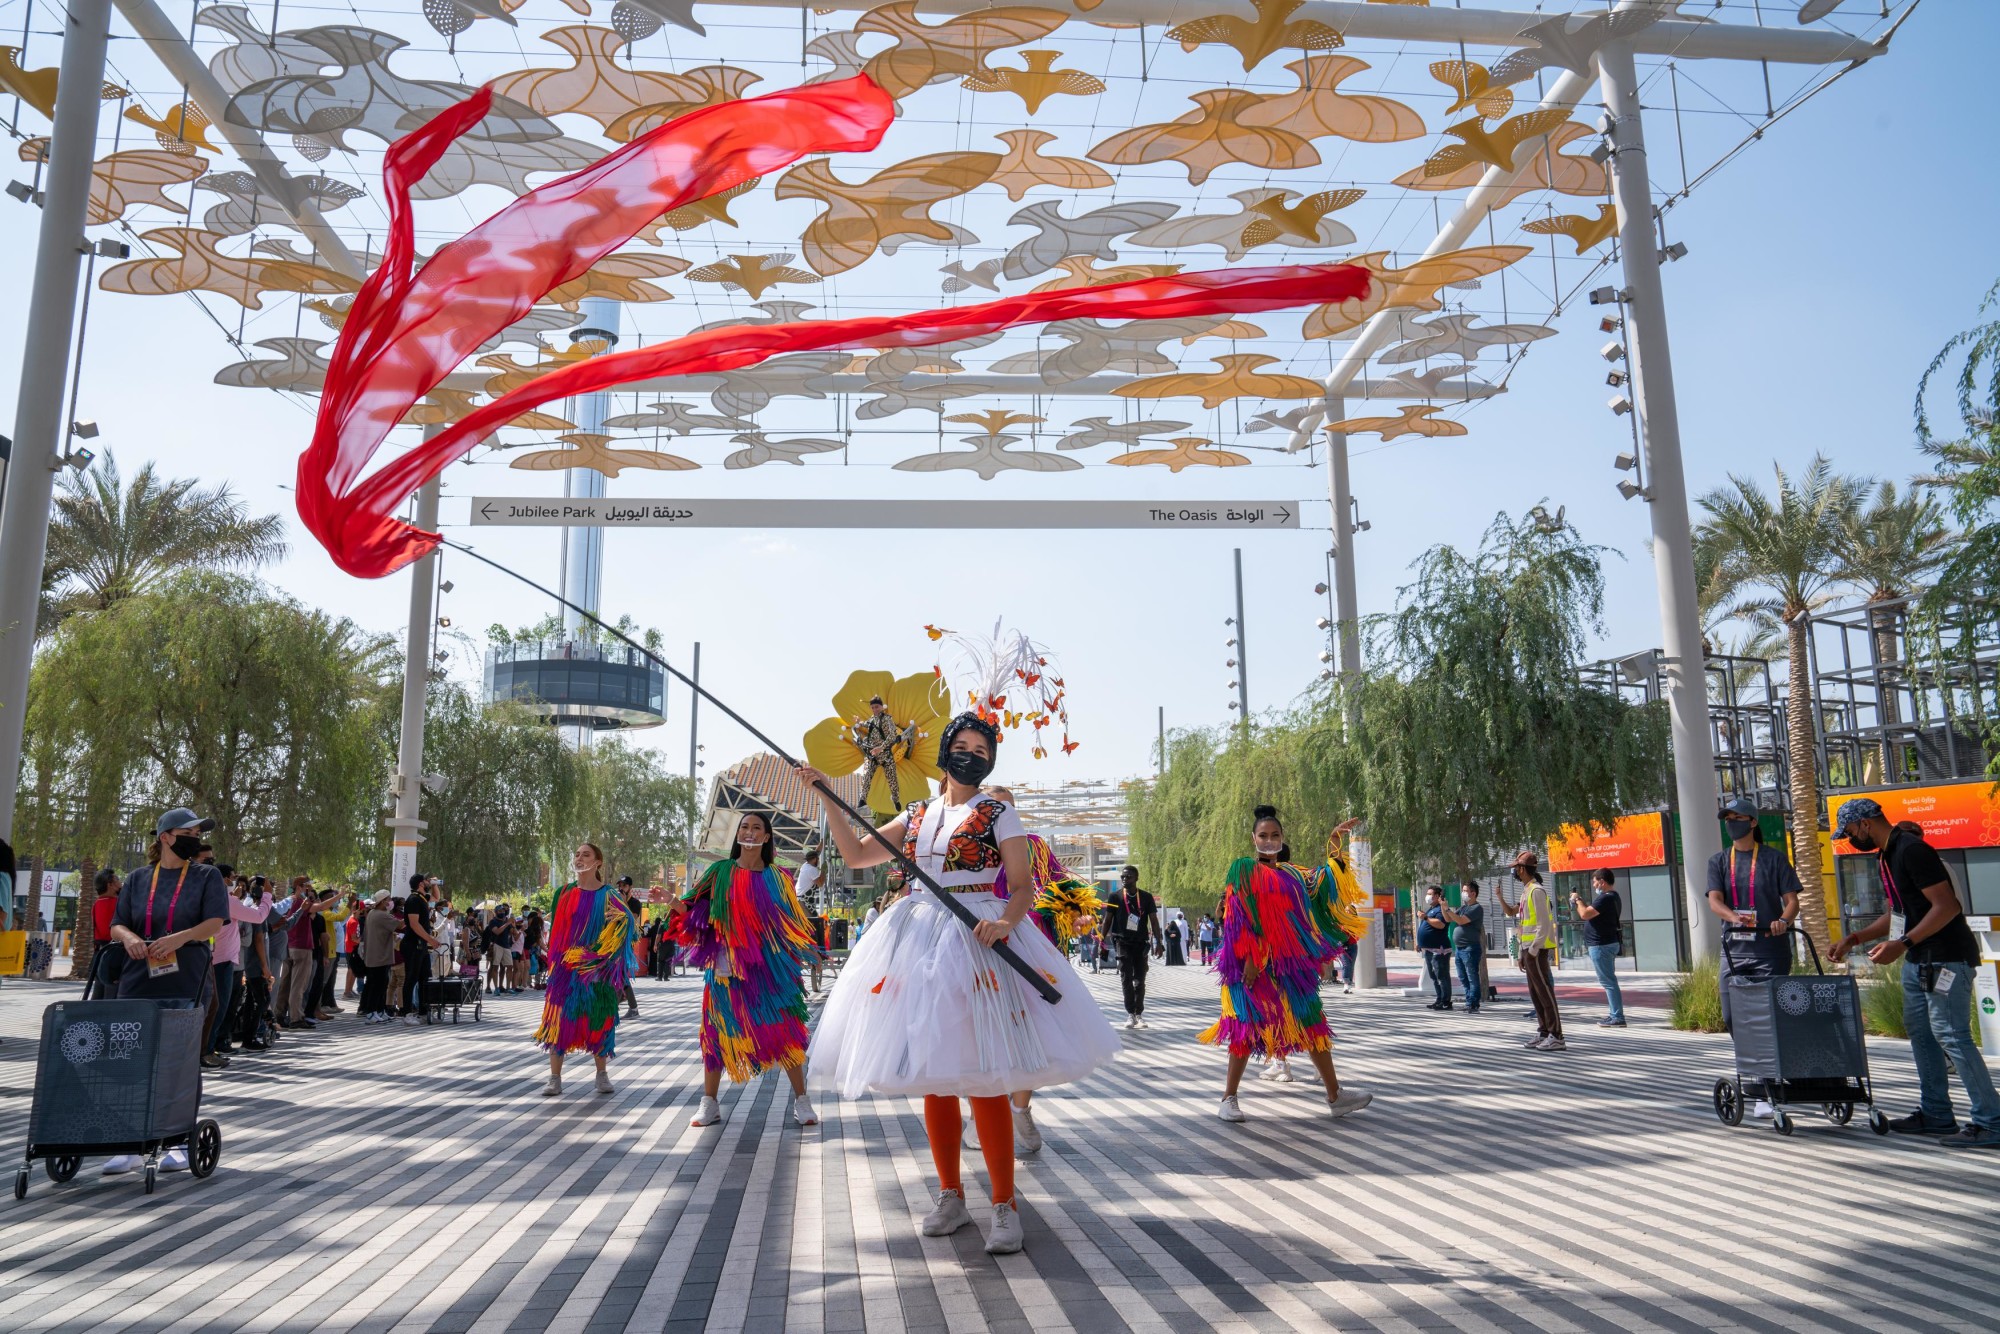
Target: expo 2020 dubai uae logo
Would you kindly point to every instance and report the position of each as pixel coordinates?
(83, 1043)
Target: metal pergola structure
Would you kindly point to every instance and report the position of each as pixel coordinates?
(40, 435)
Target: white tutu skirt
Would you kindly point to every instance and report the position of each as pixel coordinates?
(922, 1007)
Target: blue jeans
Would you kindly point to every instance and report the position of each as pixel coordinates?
(1437, 966)
(1604, 958)
(1468, 974)
(225, 994)
(1940, 1022)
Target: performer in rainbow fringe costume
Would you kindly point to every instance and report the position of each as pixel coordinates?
(1272, 950)
(590, 961)
(742, 924)
(1335, 900)
(1060, 898)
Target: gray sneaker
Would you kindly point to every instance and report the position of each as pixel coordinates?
(1004, 1238)
(1027, 1139)
(951, 1215)
(1349, 1101)
(1229, 1111)
(1972, 1137)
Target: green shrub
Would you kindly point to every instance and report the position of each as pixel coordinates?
(1882, 1000)
(1696, 997)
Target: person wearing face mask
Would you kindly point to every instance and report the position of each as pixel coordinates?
(923, 1008)
(742, 924)
(168, 912)
(1133, 920)
(1270, 961)
(1755, 892)
(1924, 925)
(1536, 919)
(590, 960)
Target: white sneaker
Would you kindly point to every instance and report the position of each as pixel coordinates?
(968, 1131)
(1027, 1139)
(707, 1114)
(1554, 1044)
(1139, 1021)
(1131, 1021)
(1004, 1238)
(1347, 989)
(411, 1020)
(553, 1088)
(1270, 1070)
(1349, 1101)
(949, 1216)
(604, 1081)
(1535, 1043)
(1284, 1075)
(119, 1164)
(1229, 1111)
(802, 1111)
(1762, 1111)
(174, 1160)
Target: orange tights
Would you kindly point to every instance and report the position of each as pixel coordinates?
(995, 1119)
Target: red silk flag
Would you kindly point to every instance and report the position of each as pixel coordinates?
(405, 332)
(404, 335)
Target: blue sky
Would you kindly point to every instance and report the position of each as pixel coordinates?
(1826, 266)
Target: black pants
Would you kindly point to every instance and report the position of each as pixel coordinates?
(416, 972)
(1437, 965)
(1132, 976)
(375, 989)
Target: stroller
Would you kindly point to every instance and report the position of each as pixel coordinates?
(1798, 1040)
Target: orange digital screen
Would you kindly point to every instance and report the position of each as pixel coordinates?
(1634, 840)
(1955, 815)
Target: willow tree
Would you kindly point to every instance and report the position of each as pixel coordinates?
(1190, 823)
(210, 691)
(512, 794)
(637, 809)
(1475, 732)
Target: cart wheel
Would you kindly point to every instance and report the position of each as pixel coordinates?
(1840, 1113)
(1780, 1122)
(1877, 1122)
(205, 1150)
(151, 1172)
(1728, 1102)
(476, 1006)
(62, 1167)
(21, 1183)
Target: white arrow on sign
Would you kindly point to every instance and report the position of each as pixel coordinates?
(639, 512)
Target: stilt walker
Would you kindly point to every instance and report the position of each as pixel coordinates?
(743, 926)
(1270, 962)
(922, 1007)
(590, 961)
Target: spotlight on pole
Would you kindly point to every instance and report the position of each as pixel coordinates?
(1619, 405)
(1630, 489)
(1678, 250)
(1606, 296)
(1612, 351)
(1320, 589)
(1616, 379)
(1323, 623)
(1610, 324)
(1626, 462)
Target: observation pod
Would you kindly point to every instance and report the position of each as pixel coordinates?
(604, 687)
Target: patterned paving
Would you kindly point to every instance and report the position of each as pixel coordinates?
(412, 1180)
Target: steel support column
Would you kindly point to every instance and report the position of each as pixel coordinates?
(1673, 549)
(40, 433)
(407, 786)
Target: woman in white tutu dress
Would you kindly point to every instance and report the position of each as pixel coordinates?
(924, 1008)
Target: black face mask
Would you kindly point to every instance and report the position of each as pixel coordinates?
(1738, 828)
(1861, 842)
(968, 767)
(186, 846)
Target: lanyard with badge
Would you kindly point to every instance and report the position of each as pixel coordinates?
(1131, 918)
(163, 967)
(1898, 917)
(1750, 890)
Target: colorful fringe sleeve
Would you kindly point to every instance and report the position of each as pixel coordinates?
(1060, 898)
(754, 1018)
(1269, 962)
(1348, 901)
(590, 948)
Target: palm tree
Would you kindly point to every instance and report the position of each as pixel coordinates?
(109, 540)
(1778, 556)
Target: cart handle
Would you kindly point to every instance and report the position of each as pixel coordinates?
(1811, 945)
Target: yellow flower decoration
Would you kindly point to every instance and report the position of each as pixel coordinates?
(921, 700)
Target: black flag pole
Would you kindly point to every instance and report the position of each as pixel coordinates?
(1041, 984)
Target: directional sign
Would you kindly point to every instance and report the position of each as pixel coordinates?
(639, 512)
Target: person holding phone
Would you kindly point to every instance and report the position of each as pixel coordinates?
(1536, 921)
(1434, 941)
(1925, 927)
